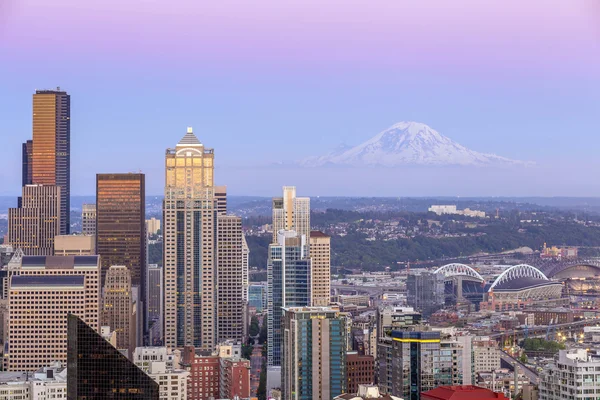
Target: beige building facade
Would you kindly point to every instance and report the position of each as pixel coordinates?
(291, 213)
(74, 245)
(320, 254)
(118, 308)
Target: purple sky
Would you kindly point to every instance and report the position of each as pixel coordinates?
(265, 81)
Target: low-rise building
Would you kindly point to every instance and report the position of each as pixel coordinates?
(162, 366)
(44, 384)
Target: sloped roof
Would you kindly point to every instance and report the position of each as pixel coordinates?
(189, 140)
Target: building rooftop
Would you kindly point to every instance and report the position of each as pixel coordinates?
(21, 281)
(461, 392)
(189, 139)
(523, 283)
(59, 262)
(318, 234)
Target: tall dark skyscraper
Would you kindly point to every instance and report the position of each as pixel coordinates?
(50, 160)
(98, 371)
(121, 226)
(27, 164)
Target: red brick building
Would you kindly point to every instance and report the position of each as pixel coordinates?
(359, 371)
(235, 378)
(203, 382)
(461, 393)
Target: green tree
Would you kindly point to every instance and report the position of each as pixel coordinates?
(262, 337)
(247, 351)
(254, 326)
(261, 392)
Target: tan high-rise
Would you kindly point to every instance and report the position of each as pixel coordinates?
(230, 287)
(51, 151)
(118, 307)
(40, 295)
(33, 226)
(88, 219)
(74, 245)
(320, 254)
(291, 213)
(189, 212)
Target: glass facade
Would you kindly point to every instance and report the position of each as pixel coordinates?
(257, 297)
(98, 371)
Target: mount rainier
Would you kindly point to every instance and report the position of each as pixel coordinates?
(409, 143)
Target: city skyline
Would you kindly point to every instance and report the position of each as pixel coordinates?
(329, 83)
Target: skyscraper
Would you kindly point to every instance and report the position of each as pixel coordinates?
(97, 371)
(121, 224)
(27, 173)
(33, 226)
(291, 213)
(41, 293)
(245, 268)
(155, 298)
(314, 353)
(288, 280)
(320, 254)
(230, 288)
(88, 219)
(118, 308)
(51, 149)
(189, 215)
(425, 291)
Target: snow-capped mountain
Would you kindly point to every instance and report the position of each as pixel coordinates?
(409, 143)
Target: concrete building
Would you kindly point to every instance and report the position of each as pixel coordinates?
(152, 226)
(230, 285)
(204, 378)
(40, 294)
(33, 225)
(47, 383)
(486, 354)
(425, 292)
(366, 392)
(575, 374)
(88, 219)
(234, 379)
(292, 213)
(360, 370)
(245, 269)
(118, 308)
(288, 281)
(460, 392)
(120, 228)
(163, 367)
(51, 148)
(320, 254)
(154, 307)
(314, 353)
(190, 209)
(74, 245)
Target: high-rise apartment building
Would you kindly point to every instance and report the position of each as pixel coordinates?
(486, 354)
(34, 224)
(51, 148)
(97, 371)
(189, 217)
(245, 269)
(120, 223)
(425, 292)
(360, 370)
(288, 285)
(152, 226)
(88, 219)
(27, 174)
(155, 298)
(575, 374)
(320, 254)
(40, 295)
(291, 213)
(314, 353)
(230, 285)
(118, 308)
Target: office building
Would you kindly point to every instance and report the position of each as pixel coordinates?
(97, 371)
(234, 378)
(486, 354)
(47, 383)
(575, 374)
(34, 224)
(360, 370)
(27, 173)
(152, 226)
(120, 223)
(40, 295)
(292, 213)
(163, 367)
(245, 269)
(155, 303)
(189, 211)
(229, 257)
(408, 363)
(51, 147)
(88, 219)
(288, 280)
(204, 379)
(314, 353)
(320, 254)
(74, 245)
(257, 297)
(425, 292)
(118, 308)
